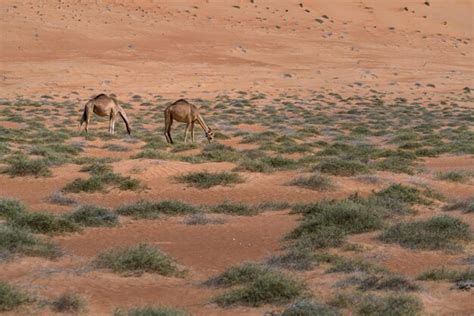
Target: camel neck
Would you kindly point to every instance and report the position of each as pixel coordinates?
(202, 123)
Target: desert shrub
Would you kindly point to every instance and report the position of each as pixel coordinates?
(348, 265)
(394, 305)
(152, 311)
(309, 308)
(22, 166)
(402, 193)
(235, 209)
(315, 182)
(219, 152)
(454, 176)
(237, 275)
(116, 147)
(58, 198)
(268, 288)
(100, 181)
(347, 215)
(466, 206)
(386, 282)
(93, 216)
(322, 237)
(69, 303)
(11, 297)
(11, 208)
(205, 180)
(295, 259)
(339, 167)
(14, 240)
(43, 223)
(444, 273)
(441, 232)
(147, 209)
(136, 260)
(202, 219)
(396, 164)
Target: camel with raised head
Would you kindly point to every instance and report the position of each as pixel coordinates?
(185, 112)
(103, 105)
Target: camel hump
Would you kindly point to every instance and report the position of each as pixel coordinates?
(180, 101)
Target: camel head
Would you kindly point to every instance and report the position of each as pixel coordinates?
(210, 135)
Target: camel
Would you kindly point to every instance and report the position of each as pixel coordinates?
(185, 112)
(104, 105)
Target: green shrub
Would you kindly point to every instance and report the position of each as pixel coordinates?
(10, 208)
(442, 232)
(93, 184)
(151, 311)
(396, 164)
(93, 216)
(11, 297)
(100, 181)
(386, 282)
(22, 166)
(69, 303)
(268, 288)
(347, 215)
(14, 240)
(205, 180)
(219, 152)
(339, 167)
(237, 275)
(322, 237)
(294, 259)
(234, 209)
(136, 260)
(146, 209)
(394, 305)
(308, 308)
(315, 182)
(466, 206)
(444, 273)
(402, 193)
(454, 176)
(58, 198)
(347, 265)
(44, 223)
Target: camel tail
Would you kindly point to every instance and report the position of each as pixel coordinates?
(125, 119)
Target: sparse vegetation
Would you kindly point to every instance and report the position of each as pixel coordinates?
(22, 166)
(235, 209)
(150, 210)
(444, 273)
(205, 180)
(43, 223)
(16, 241)
(315, 182)
(442, 232)
(11, 297)
(339, 167)
(151, 311)
(466, 206)
(137, 260)
(395, 305)
(93, 216)
(309, 308)
(69, 303)
(10, 208)
(267, 288)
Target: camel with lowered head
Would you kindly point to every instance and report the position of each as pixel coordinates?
(185, 112)
(104, 105)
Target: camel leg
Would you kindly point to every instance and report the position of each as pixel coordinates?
(88, 119)
(113, 126)
(168, 131)
(186, 132)
(192, 131)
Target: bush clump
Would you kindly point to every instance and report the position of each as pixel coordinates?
(315, 182)
(14, 240)
(267, 288)
(151, 210)
(137, 260)
(69, 303)
(11, 297)
(235, 209)
(93, 216)
(205, 180)
(309, 308)
(441, 232)
(151, 311)
(394, 305)
(345, 168)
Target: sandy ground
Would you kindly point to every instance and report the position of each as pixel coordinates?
(203, 49)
